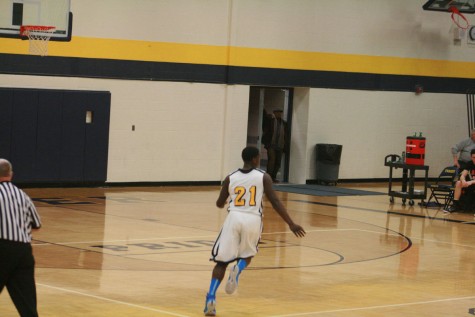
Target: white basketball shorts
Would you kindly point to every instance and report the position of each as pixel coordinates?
(239, 237)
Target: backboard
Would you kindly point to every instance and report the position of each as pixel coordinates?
(463, 6)
(15, 13)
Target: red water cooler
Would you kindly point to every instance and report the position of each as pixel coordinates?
(415, 150)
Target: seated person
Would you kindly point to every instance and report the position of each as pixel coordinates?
(465, 185)
(461, 151)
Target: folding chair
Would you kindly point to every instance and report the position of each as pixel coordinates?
(442, 191)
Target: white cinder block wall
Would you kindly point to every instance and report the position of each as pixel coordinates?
(371, 125)
(195, 132)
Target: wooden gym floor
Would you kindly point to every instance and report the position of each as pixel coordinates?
(143, 252)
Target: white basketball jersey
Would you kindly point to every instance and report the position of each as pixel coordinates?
(246, 189)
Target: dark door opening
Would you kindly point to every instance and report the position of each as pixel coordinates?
(264, 100)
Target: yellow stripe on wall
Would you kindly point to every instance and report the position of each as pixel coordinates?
(83, 47)
(350, 63)
(141, 51)
(126, 50)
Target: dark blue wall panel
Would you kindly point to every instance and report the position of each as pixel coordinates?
(6, 106)
(45, 135)
(97, 137)
(23, 137)
(73, 137)
(48, 147)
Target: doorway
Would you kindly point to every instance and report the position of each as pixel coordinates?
(265, 100)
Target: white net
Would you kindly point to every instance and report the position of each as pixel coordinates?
(38, 37)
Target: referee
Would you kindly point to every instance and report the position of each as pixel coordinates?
(18, 216)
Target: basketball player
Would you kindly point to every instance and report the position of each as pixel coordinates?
(242, 228)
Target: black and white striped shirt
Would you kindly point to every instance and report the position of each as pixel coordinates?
(18, 214)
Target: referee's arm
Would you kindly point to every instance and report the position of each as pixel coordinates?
(35, 217)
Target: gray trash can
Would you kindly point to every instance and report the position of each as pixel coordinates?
(328, 163)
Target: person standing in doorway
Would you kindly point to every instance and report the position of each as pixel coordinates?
(275, 140)
(242, 228)
(18, 216)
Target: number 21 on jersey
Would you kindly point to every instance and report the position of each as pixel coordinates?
(240, 192)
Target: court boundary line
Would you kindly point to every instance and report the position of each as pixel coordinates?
(195, 237)
(376, 307)
(111, 300)
(137, 256)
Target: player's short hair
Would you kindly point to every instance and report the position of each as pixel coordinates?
(249, 153)
(472, 152)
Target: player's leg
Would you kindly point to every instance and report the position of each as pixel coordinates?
(248, 248)
(234, 272)
(217, 276)
(224, 251)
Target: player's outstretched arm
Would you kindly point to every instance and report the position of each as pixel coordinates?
(280, 208)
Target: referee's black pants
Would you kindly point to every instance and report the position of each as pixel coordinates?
(17, 273)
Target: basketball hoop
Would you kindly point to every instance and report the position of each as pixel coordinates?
(456, 13)
(38, 36)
